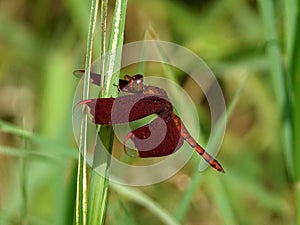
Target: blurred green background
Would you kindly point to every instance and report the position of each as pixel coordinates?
(42, 42)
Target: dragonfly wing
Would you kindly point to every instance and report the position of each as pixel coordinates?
(149, 105)
(159, 138)
(125, 109)
(95, 77)
(100, 109)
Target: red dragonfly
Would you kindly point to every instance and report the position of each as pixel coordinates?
(144, 100)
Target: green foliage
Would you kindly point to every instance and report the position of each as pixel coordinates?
(252, 47)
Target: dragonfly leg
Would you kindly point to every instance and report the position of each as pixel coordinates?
(127, 137)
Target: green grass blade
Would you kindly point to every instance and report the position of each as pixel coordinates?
(221, 200)
(273, 50)
(290, 7)
(103, 22)
(116, 40)
(99, 185)
(81, 193)
(98, 191)
(140, 198)
(184, 204)
(50, 149)
(278, 79)
(122, 218)
(281, 86)
(24, 183)
(12, 129)
(295, 74)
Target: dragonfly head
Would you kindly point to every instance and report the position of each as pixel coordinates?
(132, 84)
